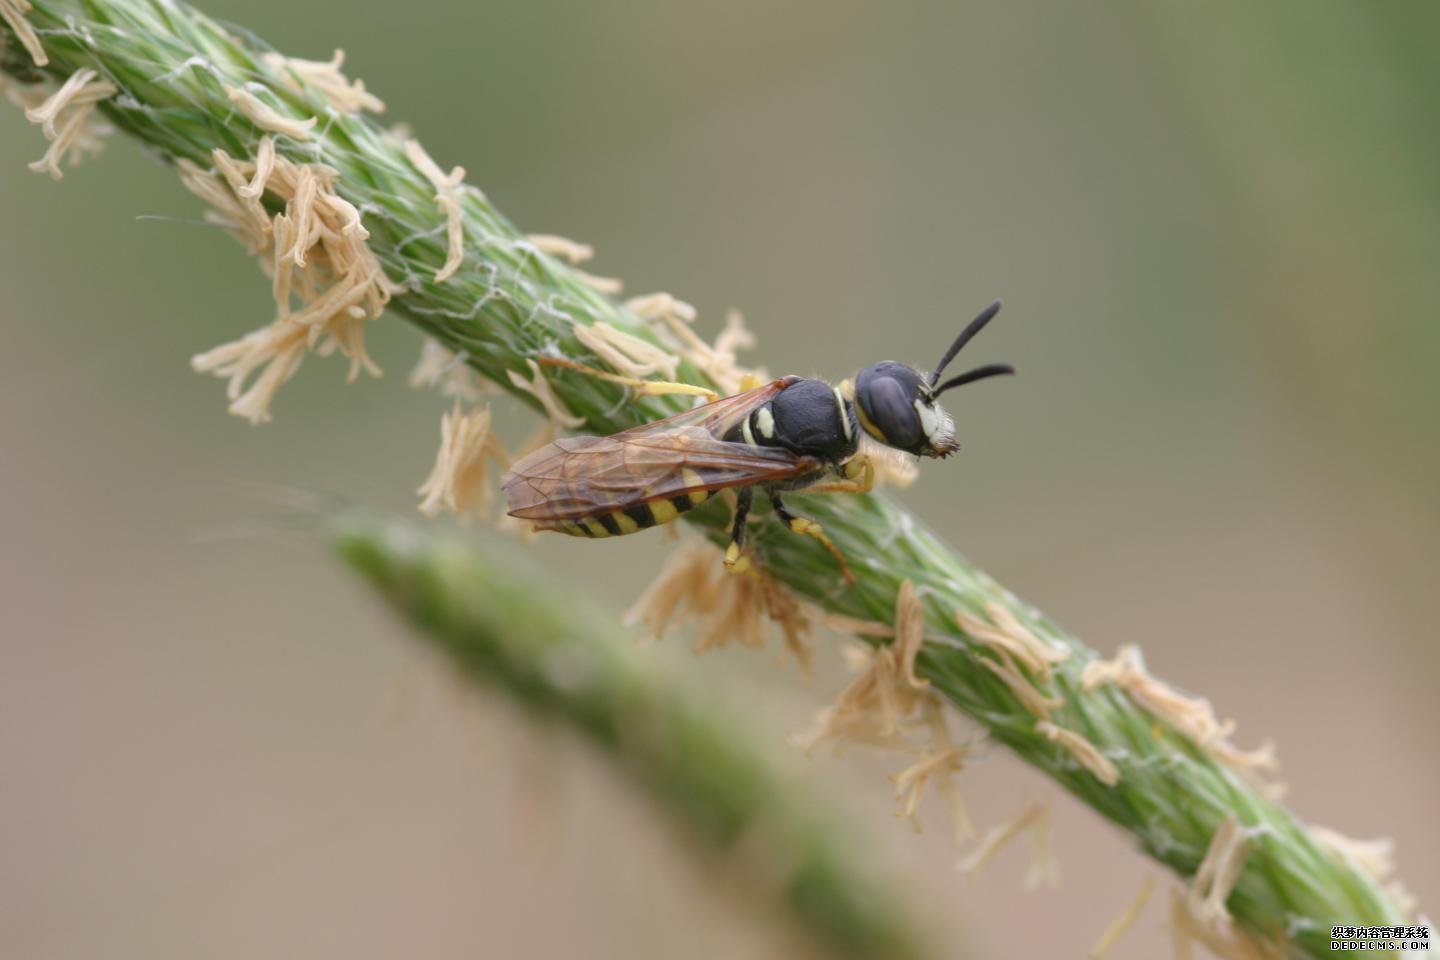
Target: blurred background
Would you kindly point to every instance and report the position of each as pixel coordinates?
(1216, 230)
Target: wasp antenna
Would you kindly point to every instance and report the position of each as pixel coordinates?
(975, 327)
(979, 373)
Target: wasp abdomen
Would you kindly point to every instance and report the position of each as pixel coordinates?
(632, 519)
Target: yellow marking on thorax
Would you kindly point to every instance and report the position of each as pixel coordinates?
(765, 420)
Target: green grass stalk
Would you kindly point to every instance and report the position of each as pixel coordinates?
(509, 303)
(511, 627)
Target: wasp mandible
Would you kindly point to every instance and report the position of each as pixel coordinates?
(793, 433)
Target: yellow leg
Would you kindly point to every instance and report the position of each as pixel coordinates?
(736, 559)
(810, 528)
(859, 478)
(651, 388)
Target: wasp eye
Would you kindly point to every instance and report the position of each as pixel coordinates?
(891, 408)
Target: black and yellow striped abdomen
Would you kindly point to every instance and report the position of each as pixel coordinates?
(631, 519)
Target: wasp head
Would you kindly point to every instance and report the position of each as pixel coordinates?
(899, 406)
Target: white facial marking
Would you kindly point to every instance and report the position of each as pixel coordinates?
(947, 425)
(844, 414)
(747, 433)
(929, 421)
(765, 420)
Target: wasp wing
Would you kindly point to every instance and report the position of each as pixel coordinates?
(718, 416)
(577, 477)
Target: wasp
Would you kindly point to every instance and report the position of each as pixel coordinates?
(794, 433)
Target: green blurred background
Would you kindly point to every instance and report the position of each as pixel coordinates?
(1216, 230)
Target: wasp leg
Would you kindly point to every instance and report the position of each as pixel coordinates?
(810, 529)
(859, 478)
(735, 559)
(652, 388)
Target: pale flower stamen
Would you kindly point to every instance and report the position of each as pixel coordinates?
(264, 167)
(1034, 818)
(267, 117)
(658, 306)
(728, 607)
(77, 90)
(538, 387)
(1084, 752)
(1193, 717)
(325, 76)
(1005, 632)
(459, 481)
(1189, 924)
(1122, 924)
(1374, 857)
(13, 13)
(941, 763)
(909, 632)
(447, 187)
(314, 251)
(442, 370)
(1031, 698)
(66, 119)
(610, 286)
(1219, 870)
(625, 352)
(562, 247)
